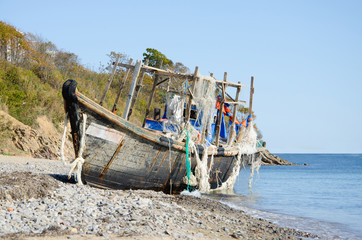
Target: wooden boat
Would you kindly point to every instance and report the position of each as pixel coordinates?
(121, 155)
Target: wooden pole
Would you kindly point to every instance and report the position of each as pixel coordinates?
(136, 72)
(251, 95)
(242, 129)
(138, 87)
(188, 107)
(155, 83)
(232, 127)
(110, 79)
(114, 109)
(218, 123)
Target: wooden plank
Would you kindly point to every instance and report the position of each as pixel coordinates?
(188, 107)
(133, 86)
(221, 108)
(138, 87)
(114, 109)
(112, 159)
(110, 80)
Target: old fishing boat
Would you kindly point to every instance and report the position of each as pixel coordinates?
(184, 149)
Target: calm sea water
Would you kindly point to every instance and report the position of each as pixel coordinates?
(324, 197)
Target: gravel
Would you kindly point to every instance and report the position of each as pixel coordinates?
(38, 200)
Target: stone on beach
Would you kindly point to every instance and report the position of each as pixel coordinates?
(54, 207)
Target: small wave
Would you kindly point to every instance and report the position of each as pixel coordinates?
(325, 230)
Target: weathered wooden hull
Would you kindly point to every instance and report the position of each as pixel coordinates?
(120, 155)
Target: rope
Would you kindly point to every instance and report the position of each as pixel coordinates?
(169, 162)
(76, 164)
(217, 171)
(188, 165)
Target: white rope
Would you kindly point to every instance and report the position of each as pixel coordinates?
(169, 162)
(76, 164)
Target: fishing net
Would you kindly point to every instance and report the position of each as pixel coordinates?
(247, 147)
(202, 171)
(205, 101)
(255, 165)
(174, 110)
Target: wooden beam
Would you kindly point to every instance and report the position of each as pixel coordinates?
(229, 84)
(138, 87)
(133, 86)
(238, 102)
(171, 90)
(110, 79)
(162, 72)
(162, 81)
(221, 108)
(232, 127)
(114, 109)
(188, 107)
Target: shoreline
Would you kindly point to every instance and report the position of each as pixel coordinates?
(59, 209)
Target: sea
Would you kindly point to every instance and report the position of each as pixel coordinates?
(321, 195)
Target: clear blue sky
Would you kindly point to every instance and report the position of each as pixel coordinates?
(306, 55)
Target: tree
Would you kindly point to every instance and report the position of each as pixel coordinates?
(155, 57)
(180, 68)
(13, 45)
(112, 58)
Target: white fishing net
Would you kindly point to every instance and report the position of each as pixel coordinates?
(205, 101)
(175, 105)
(254, 167)
(201, 170)
(249, 140)
(201, 177)
(246, 146)
(204, 98)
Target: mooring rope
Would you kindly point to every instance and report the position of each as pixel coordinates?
(188, 165)
(76, 164)
(169, 162)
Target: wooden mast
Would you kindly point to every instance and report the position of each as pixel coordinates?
(137, 89)
(221, 107)
(232, 127)
(114, 109)
(110, 79)
(136, 72)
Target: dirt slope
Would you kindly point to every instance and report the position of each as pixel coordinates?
(17, 138)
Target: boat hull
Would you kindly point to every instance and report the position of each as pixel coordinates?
(121, 155)
(129, 161)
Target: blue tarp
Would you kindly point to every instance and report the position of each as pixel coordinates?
(159, 126)
(163, 126)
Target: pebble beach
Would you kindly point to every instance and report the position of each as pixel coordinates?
(37, 201)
